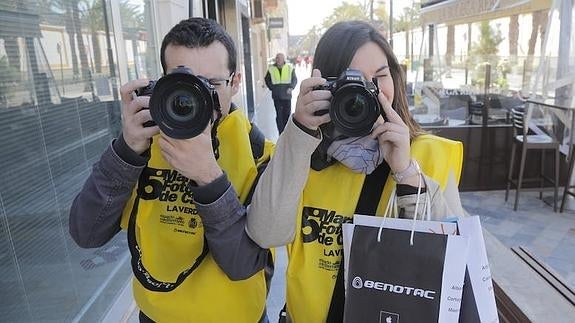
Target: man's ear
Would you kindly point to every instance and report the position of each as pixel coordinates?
(236, 81)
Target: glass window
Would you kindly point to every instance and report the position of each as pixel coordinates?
(59, 110)
(139, 39)
(474, 71)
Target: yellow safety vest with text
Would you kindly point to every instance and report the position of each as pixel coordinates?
(280, 78)
(329, 199)
(170, 235)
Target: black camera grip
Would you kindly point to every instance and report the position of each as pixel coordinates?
(147, 91)
(323, 111)
(149, 123)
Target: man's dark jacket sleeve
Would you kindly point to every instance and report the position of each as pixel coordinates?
(268, 79)
(224, 222)
(96, 211)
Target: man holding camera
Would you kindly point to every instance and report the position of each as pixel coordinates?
(281, 80)
(181, 194)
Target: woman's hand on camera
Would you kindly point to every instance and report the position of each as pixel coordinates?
(393, 137)
(194, 157)
(134, 115)
(309, 101)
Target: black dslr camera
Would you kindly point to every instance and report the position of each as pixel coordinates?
(181, 104)
(354, 104)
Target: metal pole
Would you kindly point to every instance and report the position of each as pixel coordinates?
(431, 40)
(59, 49)
(110, 52)
(563, 94)
(468, 52)
(391, 23)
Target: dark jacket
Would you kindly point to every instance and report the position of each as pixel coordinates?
(96, 211)
(280, 91)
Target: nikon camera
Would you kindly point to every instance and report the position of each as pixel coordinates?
(354, 104)
(181, 104)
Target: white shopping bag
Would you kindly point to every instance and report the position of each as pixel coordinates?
(478, 304)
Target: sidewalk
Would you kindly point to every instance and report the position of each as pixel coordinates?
(264, 118)
(265, 114)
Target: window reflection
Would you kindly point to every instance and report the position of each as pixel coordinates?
(59, 110)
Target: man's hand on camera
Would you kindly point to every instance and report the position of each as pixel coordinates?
(193, 158)
(309, 101)
(134, 115)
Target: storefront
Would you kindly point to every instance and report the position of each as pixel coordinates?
(477, 61)
(61, 65)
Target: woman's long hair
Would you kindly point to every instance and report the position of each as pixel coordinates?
(336, 49)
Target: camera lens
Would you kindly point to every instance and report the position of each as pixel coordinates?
(182, 106)
(354, 110)
(355, 106)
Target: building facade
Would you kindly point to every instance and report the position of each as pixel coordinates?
(61, 66)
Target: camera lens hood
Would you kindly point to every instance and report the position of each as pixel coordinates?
(182, 104)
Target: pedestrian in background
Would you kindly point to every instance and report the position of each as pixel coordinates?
(281, 80)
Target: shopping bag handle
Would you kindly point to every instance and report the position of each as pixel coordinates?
(392, 205)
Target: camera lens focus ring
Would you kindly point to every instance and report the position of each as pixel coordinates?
(354, 110)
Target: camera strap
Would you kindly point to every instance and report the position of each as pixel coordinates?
(214, 132)
(141, 273)
(257, 143)
(367, 205)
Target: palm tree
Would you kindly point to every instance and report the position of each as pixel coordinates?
(310, 40)
(9, 74)
(133, 24)
(407, 22)
(92, 16)
(71, 30)
(450, 48)
(85, 68)
(345, 11)
(513, 37)
(538, 23)
(132, 15)
(485, 50)
(381, 17)
(11, 41)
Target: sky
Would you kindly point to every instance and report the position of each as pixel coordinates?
(304, 14)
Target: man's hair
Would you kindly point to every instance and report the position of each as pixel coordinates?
(196, 33)
(331, 58)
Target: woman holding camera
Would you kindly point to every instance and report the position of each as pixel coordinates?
(349, 175)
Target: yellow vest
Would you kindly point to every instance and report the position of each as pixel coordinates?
(329, 199)
(280, 78)
(170, 234)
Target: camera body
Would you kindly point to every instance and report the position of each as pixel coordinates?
(354, 104)
(181, 104)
